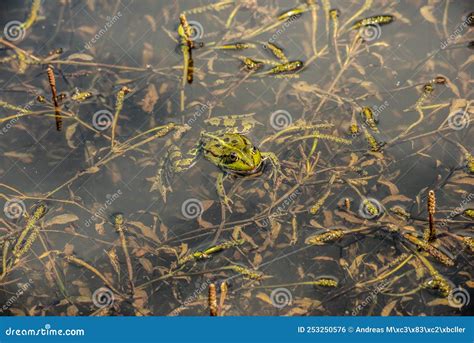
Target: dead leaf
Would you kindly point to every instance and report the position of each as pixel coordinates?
(146, 231)
(427, 13)
(388, 308)
(80, 56)
(150, 99)
(265, 298)
(71, 129)
(23, 157)
(62, 219)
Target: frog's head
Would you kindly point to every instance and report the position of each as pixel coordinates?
(244, 161)
(235, 153)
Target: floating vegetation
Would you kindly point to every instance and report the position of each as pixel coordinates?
(287, 67)
(437, 254)
(325, 237)
(206, 253)
(57, 112)
(430, 234)
(375, 20)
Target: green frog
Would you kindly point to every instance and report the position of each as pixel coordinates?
(232, 152)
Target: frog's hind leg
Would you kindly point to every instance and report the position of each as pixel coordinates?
(221, 191)
(180, 163)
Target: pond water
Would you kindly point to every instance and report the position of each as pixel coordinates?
(377, 117)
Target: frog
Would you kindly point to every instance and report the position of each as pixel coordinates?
(230, 151)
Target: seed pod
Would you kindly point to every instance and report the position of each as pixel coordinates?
(430, 249)
(212, 300)
(347, 204)
(430, 234)
(325, 237)
(469, 243)
(325, 282)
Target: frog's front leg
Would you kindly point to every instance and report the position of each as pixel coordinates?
(221, 191)
(276, 165)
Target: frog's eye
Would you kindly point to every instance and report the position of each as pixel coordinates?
(233, 157)
(254, 150)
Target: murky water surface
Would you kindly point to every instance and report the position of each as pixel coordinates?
(359, 181)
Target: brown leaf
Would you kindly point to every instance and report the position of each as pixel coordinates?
(427, 13)
(23, 157)
(150, 99)
(262, 296)
(146, 231)
(68, 249)
(147, 265)
(62, 219)
(151, 21)
(388, 308)
(71, 129)
(80, 56)
(72, 310)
